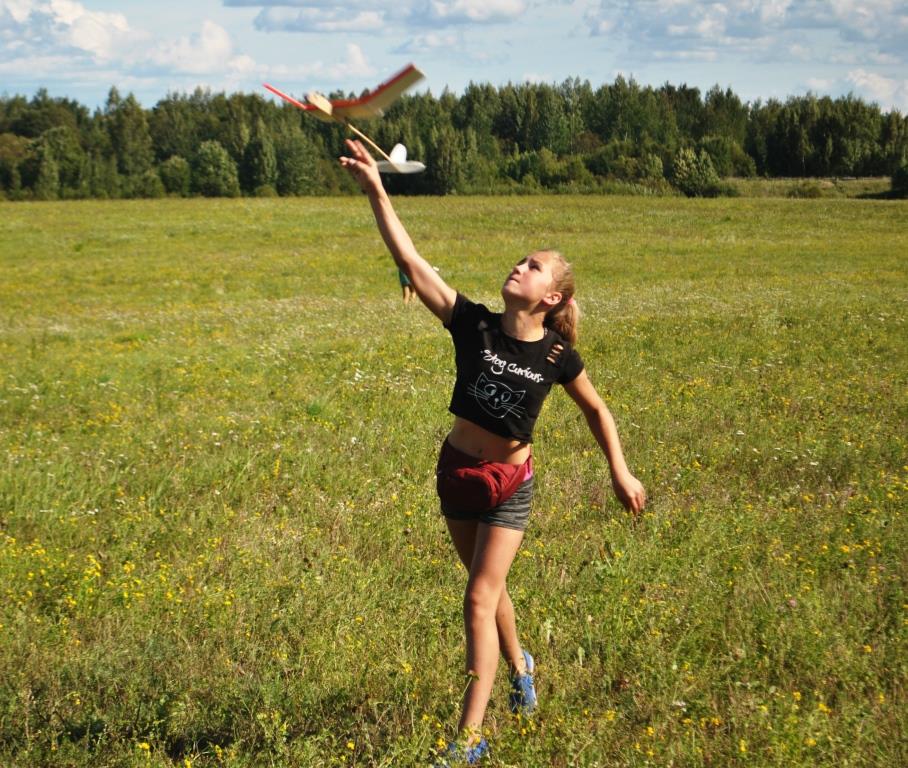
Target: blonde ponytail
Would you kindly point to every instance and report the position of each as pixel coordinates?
(564, 317)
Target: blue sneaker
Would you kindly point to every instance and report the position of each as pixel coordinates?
(523, 692)
(458, 754)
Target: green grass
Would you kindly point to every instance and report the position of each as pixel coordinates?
(219, 542)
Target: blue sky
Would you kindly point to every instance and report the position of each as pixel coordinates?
(759, 49)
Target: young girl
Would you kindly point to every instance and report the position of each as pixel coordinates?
(506, 364)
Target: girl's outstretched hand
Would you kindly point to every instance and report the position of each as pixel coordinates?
(362, 167)
(630, 493)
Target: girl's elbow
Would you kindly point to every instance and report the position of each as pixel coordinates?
(595, 414)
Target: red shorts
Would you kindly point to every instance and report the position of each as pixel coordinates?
(475, 485)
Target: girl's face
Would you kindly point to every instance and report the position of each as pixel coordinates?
(531, 281)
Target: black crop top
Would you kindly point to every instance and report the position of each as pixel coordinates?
(502, 381)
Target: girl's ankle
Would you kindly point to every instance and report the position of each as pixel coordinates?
(470, 736)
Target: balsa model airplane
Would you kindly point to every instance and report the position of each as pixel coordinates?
(372, 104)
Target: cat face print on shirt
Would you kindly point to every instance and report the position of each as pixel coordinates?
(496, 398)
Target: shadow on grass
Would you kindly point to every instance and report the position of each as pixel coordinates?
(889, 194)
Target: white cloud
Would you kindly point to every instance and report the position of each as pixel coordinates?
(355, 65)
(18, 10)
(879, 27)
(34, 66)
(370, 15)
(599, 26)
(57, 26)
(820, 84)
(889, 92)
(431, 42)
(477, 11)
(60, 40)
(318, 20)
(692, 55)
(201, 54)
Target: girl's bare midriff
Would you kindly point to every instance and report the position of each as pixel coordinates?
(475, 441)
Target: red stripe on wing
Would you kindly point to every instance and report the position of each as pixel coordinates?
(389, 83)
(287, 98)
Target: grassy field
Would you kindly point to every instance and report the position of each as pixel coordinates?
(219, 541)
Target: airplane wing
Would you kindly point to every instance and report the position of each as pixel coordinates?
(288, 99)
(374, 103)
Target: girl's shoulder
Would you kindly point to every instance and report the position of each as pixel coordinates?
(470, 314)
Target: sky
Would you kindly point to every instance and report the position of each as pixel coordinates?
(760, 50)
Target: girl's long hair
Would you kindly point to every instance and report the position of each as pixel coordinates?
(563, 317)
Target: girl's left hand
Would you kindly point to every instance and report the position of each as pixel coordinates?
(630, 492)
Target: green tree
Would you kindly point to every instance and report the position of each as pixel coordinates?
(477, 110)
(624, 110)
(443, 173)
(694, 175)
(13, 151)
(727, 156)
(62, 143)
(149, 184)
(724, 115)
(11, 110)
(612, 159)
(172, 125)
(508, 123)
(297, 164)
(102, 175)
(573, 94)
(789, 146)
(893, 142)
(860, 133)
(43, 113)
(176, 175)
(47, 182)
(233, 125)
(651, 167)
(545, 123)
(760, 127)
(259, 167)
(130, 139)
(214, 172)
(686, 108)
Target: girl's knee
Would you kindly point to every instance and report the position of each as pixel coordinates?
(481, 598)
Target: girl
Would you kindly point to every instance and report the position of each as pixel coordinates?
(506, 364)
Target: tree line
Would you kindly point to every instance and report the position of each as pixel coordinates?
(512, 138)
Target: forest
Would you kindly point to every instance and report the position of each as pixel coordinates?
(516, 138)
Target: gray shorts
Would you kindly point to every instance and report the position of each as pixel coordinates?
(512, 513)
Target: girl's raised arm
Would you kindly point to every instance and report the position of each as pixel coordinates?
(628, 488)
(434, 292)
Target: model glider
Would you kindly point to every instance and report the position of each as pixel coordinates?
(372, 104)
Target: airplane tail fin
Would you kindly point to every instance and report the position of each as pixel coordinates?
(398, 154)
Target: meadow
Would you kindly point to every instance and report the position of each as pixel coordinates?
(220, 544)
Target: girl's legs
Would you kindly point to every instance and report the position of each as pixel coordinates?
(463, 535)
(488, 552)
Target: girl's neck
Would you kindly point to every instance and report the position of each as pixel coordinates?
(523, 324)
